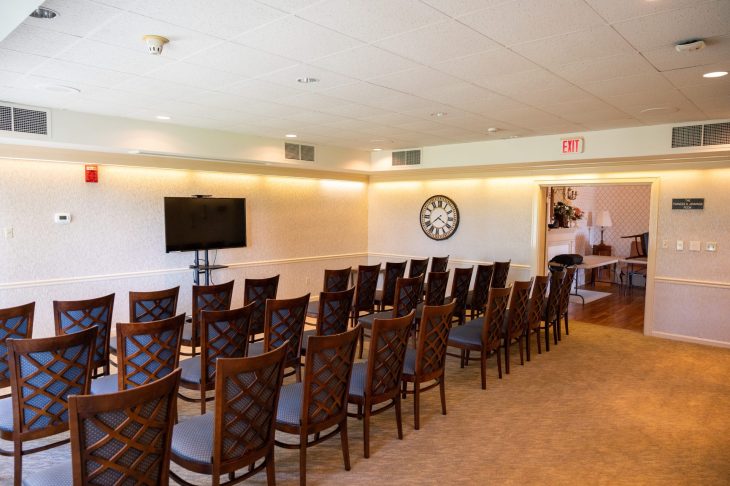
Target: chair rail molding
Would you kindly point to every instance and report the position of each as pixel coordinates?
(697, 283)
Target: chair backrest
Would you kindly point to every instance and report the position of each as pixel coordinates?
(460, 290)
(565, 287)
(224, 334)
(393, 271)
(124, 437)
(247, 395)
(386, 355)
(44, 372)
(552, 306)
(518, 308)
(258, 291)
(15, 323)
(367, 281)
(327, 373)
(436, 287)
(494, 318)
(284, 322)
(433, 338)
(148, 351)
(418, 267)
(209, 298)
(537, 302)
(407, 294)
(153, 306)
(77, 315)
(501, 270)
(482, 282)
(334, 312)
(439, 264)
(337, 280)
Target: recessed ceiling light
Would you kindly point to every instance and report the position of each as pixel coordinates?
(162, 117)
(492, 130)
(377, 149)
(59, 88)
(715, 74)
(659, 110)
(133, 152)
(307, 80)
(44, 13)
(514, 136)
(291, 135)
(439, 114)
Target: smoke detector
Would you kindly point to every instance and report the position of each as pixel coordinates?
(155, 43)
(690, 45)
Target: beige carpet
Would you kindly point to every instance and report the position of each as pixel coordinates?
(606, 406)
(588, 296)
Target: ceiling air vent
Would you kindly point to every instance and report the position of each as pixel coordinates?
(294, 151)
(23, 120)
(716, 134)
(689, 136)
(406, 157)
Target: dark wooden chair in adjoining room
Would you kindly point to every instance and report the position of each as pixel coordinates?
(367, 281)
(284, 324)
(435, 291)
(393, 271)
(258, 291)
(439, 264)
(536, 312)
(460, 292)
(514, 325)
(565, 287)
(320, 402)
(15, 323)
(43, 374)
(418, 267)
(501, 271)
(378, 380)
(224, 334)
(407, 295)
(639, 252)
(333, 315)
(477, 298)
(487, 337)
(241, 430)
(148, 351)
(426, 363)
(120, 438)
(205, 298)
(334, 281)
(77, 315)
(552, 305)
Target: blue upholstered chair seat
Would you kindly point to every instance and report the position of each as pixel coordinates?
(357, 382)
(409, 365)
(478, 322)
(466, 335)
(367, 321)
(105, 384)
(57, 475)
(6, 415)
(255, 349)
(290, 404)
(192, 439)
(305, 338)
(190, 370)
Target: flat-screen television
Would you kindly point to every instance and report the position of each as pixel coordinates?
(204, 223)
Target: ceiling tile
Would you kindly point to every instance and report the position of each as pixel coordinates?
(34, 40)
(471, 98)
(615, 10)
(313, 101)
(157, 87)
(105, 56)
(192, 75)
(635, 102)
(76, 17)
(263, 90)
(73, 72)
(457, 8)
(9, 78)
(590, 70)
(305, 118)
(514, 85)
(352, 110)
(476, 67)
(244, 61)
(613, 124)
(365, 62)
(417, 81)
(289, 5)
(289, 76)
(629, 84)
(667, 58)
(548, 97)
(19, 62)
(682, 78)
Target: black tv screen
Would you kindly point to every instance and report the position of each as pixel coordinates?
(193, 223)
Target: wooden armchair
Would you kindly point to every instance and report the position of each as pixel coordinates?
(15, 323)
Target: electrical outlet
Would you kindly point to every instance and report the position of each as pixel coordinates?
(694, 246)
(665, 244)
(9, 233)
(680, 245)
(711, 246)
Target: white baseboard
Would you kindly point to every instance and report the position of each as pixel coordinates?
(690, 339)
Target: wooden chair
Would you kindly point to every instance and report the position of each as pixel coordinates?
(418, 267)
(334, 281)
(77, 315)
(565, 288)
(552, 306)
(43, 374)
(242, 426)
(378, 380)
(320, 402)
(148, 351)
(120, 438)
(224, 334)
(460, 292)
(477, 299)
(258, 291)
(514, 325)
(385, 296)
(439, 264)
(536, 312)
(205, 298)
(435, 291)
(15, 323)
(407, 294)
(367, 281)
(427, 362)
(333, 315)
(501, 271)
(486, 338)
(284, 323)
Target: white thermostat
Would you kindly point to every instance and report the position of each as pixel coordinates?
(62, 218)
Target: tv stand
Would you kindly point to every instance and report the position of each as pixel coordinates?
(204, 269)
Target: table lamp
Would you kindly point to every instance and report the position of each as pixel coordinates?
(603, 219)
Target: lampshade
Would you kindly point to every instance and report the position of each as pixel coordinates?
(602, 218)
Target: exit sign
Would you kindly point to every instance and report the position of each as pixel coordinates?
(571, 145)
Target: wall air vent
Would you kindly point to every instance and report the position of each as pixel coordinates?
(406, 157)
(23, 120)
(716, 134)
(701, 135)
(294, 151)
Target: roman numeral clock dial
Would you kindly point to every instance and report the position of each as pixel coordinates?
(439, 217)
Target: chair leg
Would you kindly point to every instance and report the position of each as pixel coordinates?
(399, 417)
(298, 369)
(506, 355)
(556, 330)
(566, 323)
(366, 431)
(17, 462)
(466, 361)
(417, 404)
(404, 389)
(463, 354)
(559, 332)
(202, 401)
(483, 366)
(527, 343)
(270, 469)
(362, 342)
(345, 444)
(442, 389)
(547, 335)
(303, 458)
(499, 363)
(522, 353)
(539, 344)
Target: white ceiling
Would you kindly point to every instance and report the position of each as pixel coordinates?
(527, 67)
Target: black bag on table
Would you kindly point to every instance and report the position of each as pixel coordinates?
(567, 259)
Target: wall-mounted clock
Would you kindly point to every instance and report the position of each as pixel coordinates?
(439, 217)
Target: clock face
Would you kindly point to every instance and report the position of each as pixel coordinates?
(439, 217)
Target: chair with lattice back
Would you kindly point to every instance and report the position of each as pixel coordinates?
(426, 363)
(241, 428)
(223, 334)
(435, 291)
(15, 323)
(334, 281)
(477, 298)
(319, 403)
(393, 271)
(501, 271)
(460, 292)
(439, 264)
(148, 351)
(418, 267)
(119, 438)
(367, 281)
(333, 315)
(205, 298)
(258, 291)
(563, 307)
(77, 315)
(552, 306)
(514, 326)
(536, 312)
(44, 372)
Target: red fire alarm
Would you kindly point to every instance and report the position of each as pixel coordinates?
(92, 173)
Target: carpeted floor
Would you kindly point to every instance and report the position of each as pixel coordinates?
(605, 406)
(588, 296)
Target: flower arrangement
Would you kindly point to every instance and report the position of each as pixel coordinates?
(564, 213)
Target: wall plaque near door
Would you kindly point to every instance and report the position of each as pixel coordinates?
(689, 203)
(439, 217)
